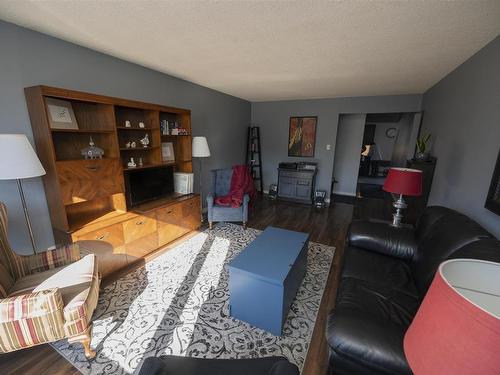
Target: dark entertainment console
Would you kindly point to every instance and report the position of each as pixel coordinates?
(296, 182)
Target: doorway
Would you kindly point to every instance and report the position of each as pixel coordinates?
(367, 145)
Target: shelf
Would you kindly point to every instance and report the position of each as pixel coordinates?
(138, 148)
(125, 128)
(178, 135)
(100, 131)
(87, 219)
(149, 165)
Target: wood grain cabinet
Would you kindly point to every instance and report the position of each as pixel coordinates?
(86, 198)
(112, 234)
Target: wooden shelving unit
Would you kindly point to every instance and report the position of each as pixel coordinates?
(86, 198)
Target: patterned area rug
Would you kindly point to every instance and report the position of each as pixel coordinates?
(178, 303)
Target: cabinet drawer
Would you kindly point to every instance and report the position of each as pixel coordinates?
(138, 227)
(83, 180)
(170, 224)
(287, 180)
(112, 235)
(303, 182)
(296, 174)
(141, 247)
(169, 215)
(191, 213)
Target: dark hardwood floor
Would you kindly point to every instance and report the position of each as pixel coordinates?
(327, 226)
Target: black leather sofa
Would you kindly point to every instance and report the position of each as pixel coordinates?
(385, 275)
(175, 365)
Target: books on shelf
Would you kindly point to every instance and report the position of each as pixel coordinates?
(183, 183)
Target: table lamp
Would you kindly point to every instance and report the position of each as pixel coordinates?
(457, 328)
(200, 150)
(18, 161)
(402, 181)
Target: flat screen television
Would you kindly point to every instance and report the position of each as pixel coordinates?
(144, 185)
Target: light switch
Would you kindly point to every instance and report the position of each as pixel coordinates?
(328, 147)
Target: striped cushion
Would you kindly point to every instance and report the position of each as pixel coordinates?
(31, 319)
(10, 260)
(51, 259)
(78, 284)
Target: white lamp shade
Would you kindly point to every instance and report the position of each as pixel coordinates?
(17, 158)
(200, 147)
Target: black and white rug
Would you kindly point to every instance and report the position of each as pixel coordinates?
(178, 303)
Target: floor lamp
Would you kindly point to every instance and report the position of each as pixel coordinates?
(18, 161)
(200, 150)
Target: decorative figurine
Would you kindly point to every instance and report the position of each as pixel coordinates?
(141, 125)
(131, 163)
(140, 162)
(92, 152)
(132, 144)
(145, 141)
(127, 145)
(128, 124)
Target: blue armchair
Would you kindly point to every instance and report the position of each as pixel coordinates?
(221, 184)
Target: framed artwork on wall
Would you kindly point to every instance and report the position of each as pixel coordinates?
(60, 114)
(302, 136)
(493, 198)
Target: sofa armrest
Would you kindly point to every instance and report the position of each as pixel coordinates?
(50, 259)
(30, 305)
(383, 238)
(41, 315)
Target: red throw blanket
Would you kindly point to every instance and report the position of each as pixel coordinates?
(241, 183)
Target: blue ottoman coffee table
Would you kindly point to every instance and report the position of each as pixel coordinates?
(265, 276)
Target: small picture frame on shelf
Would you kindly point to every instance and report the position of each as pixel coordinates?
(60, 114)
(167, 151)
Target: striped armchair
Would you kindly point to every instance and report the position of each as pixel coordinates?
(45, 297)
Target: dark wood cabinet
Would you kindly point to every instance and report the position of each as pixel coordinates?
(416, 205)
(296, 185)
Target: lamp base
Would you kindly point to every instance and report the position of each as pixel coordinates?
(397, 217)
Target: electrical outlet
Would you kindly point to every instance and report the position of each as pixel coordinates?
(328, 147)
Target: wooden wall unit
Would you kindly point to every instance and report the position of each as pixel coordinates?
(86, 198)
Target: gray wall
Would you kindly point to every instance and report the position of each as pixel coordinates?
(384, 144)
(462, 112)
(29, 58)
(348, 153)
(403, 141)
(273, 117)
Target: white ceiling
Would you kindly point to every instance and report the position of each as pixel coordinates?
(275, 50)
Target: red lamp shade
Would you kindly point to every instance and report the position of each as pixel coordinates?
(457, 328)
(404, 181)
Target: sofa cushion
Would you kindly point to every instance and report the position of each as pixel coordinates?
(428, 218)
(375, 345)
(447, 235)
(78, 284)
(383, 238)
(378, 269)
(377, 301)
(170, 365)
(368, 326)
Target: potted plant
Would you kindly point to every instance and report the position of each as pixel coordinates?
(422, 153)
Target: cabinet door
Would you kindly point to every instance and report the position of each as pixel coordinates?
(83, 180)
(141, 247)
(191, 213)
(138, 227)
(112, 235)
(286, 189)
(303, 192)
(170, 223)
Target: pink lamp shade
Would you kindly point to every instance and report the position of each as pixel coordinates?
(457, 328)
(404, 181)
